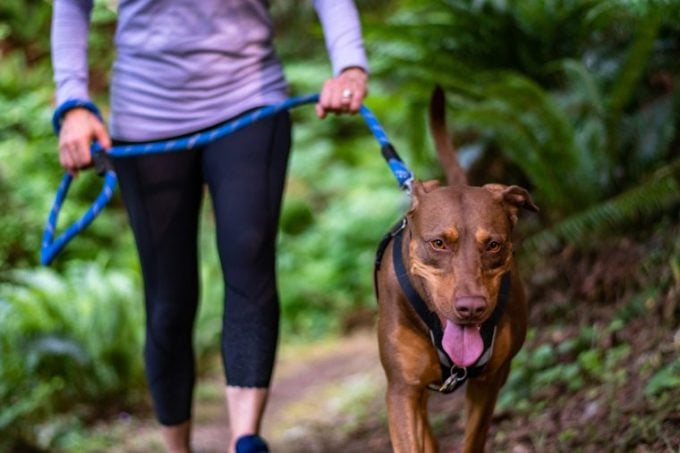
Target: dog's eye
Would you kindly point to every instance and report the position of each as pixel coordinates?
(438, 244)
(493, 247)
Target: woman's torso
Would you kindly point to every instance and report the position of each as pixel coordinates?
(183, 65)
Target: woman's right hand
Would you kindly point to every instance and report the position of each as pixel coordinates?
(79, 129)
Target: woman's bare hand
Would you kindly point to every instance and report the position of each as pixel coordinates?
(344, 93)
(79, 129)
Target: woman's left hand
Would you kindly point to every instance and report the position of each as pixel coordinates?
(344, 93)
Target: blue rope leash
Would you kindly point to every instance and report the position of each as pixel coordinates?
(51, 247)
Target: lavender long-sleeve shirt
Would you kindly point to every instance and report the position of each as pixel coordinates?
(183, 65)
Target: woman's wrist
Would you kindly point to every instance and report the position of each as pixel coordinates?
(66, 106)
(355, 72)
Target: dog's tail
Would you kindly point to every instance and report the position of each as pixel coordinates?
(442, 140)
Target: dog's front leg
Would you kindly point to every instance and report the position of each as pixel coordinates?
(407, 412)
(480, 400)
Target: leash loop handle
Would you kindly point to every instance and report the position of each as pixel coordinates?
(51, 247)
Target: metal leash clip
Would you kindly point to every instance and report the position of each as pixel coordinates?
(457, 375)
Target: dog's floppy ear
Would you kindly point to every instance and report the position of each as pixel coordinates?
(513, 198)
(420, 188)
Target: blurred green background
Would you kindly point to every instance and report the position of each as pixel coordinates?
(577, 100)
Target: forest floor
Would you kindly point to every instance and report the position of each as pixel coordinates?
(321, 393)
(328, 397)
(600, 375)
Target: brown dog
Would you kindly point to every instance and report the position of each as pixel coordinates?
(451, 303)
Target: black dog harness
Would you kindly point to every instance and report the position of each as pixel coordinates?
(453, 376)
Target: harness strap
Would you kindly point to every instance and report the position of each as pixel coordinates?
(428, 316)
(381, 251)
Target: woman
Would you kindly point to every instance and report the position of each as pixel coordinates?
(181, 67)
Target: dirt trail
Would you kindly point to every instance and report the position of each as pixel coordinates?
(307, 395)
(320, 394)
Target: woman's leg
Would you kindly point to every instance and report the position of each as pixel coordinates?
(163, 194)
(246, 172)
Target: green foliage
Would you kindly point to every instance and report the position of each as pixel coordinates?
(25, 143)
(325, 271)
(541, 140)
(32, 36)
(667, 378)
(67, 340)
(571, 365)
(562, 89)
(660, 193)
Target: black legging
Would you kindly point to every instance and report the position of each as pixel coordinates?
(245, 173)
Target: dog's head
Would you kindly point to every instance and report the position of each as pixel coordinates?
(459, 247)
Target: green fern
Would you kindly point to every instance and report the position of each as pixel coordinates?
(659, 194)
(560, 97)
(84, 329)
(628, 78)
(537, 134)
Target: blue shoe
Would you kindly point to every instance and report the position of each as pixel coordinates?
(251, 444)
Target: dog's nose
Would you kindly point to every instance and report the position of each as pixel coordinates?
(470, 307)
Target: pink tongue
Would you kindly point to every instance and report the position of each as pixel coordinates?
(462, 343)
